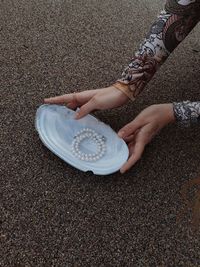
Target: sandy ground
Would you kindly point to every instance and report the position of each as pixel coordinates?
(54, 215)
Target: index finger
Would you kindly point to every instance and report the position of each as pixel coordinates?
(60, 99)
(130, 128)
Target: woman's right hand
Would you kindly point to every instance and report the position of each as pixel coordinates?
(87, 101)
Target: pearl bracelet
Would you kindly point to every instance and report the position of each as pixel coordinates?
(98, 139)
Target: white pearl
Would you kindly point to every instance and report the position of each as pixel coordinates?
(98, 139)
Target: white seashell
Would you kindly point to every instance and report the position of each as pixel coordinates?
(57, 128)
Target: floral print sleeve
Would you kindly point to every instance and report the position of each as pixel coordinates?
(187, 112)
(172, 25)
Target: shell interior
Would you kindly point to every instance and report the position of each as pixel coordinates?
(57, 127)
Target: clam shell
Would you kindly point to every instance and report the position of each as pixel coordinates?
(57, 127)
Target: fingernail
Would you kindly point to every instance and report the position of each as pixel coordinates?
(122, 171)
(77, 115)
(121, 133)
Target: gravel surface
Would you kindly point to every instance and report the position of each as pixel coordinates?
(54, 215)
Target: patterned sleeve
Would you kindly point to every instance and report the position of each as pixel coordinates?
(187, 112)
(172, 25)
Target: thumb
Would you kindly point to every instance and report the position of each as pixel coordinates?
(86, 109)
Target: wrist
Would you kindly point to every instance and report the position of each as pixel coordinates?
(123, 96)
(167, 113)
(124, 88)
(170, 117)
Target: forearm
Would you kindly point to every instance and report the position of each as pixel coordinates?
(171, 27)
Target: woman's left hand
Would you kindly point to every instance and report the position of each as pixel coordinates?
(143, 128)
